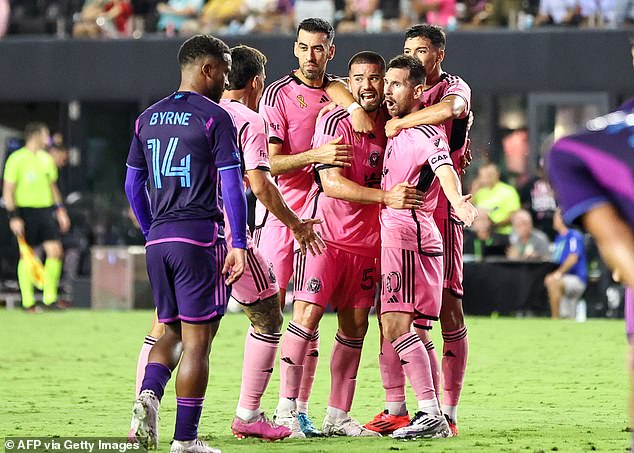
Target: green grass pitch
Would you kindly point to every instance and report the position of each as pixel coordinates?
(533, 385)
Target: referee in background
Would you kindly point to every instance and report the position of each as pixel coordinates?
(35, 210)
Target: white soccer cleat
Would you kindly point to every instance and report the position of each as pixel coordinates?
(145, 419)
(290, 420)
(192, 446)
(424, 425)
(348, 427)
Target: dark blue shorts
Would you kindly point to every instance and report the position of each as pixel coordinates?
(186, 281)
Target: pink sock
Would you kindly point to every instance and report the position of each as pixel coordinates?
(392, 374)
(415, 362)
(142, 361)
(292, 355)
(454, 363)
(344, 364)
(434, 366)
(259, 359)
(310, 367)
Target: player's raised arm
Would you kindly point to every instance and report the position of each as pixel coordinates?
(449, 108)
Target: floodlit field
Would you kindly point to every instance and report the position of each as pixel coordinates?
(533, 385)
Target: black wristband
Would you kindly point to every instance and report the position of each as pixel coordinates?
(13, 214)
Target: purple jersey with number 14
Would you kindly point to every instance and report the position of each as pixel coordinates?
(183, 140)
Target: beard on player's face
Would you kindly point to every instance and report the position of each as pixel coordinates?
(369, 100)
(399, 105)
(314, 72)
(215, 92)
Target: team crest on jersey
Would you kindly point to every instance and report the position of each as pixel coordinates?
(373, 158)
(272, 274)
(313, 285)
(302, 102)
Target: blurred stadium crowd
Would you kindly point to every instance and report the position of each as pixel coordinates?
(133, 18)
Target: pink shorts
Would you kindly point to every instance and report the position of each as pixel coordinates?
(276, 245)
(411, 283)
(452, 238)
(343, 279)
(258, 281)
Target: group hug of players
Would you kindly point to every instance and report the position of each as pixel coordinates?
(366, 193)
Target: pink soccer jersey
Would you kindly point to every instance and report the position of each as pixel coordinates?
(252, 142)
(353, 227)
(252, 135)
(258, 281)
(413, 156)
(456, 129)
(290, 109)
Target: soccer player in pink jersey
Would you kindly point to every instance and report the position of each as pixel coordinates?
(290, 107)
(447, 103)
(348, 199)
(258, 291)
(411, 244)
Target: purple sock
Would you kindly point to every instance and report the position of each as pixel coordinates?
(188, 412)
(156, 377)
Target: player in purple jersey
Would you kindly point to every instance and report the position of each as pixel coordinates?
(256, 289)
(592, 173)
(181, 146)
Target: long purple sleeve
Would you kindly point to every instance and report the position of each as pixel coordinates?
(235, 203)
(135, 180)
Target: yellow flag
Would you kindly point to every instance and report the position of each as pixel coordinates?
(33, 263)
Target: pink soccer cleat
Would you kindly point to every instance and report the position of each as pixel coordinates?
(260, 427)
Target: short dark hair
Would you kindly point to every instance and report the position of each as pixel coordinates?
(246, 63)
(317, 25)
(416, 75)
(432, 32)
(367, 57)
(201, 46)
(33, 128)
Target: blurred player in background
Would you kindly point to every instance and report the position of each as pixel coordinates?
(181, 146)
(36, 211)
(411, 244)
(447, 103)
(592, 173)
